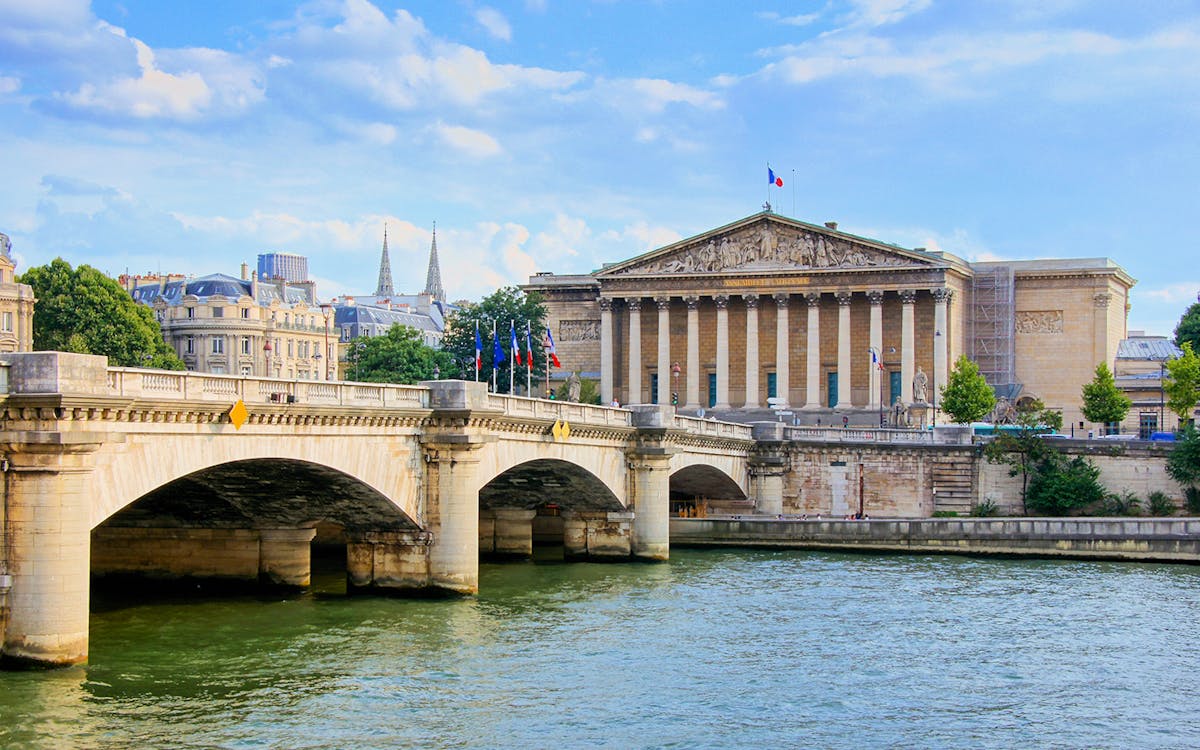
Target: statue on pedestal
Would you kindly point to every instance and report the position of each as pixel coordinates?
(920, 387)
(574, 387)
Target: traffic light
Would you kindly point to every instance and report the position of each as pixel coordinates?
(674, 398)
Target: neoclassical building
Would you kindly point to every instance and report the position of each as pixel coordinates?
(16, 304)
(771, 311)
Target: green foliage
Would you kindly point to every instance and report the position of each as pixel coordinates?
(1182, 386)
(966, 396)
(1060, 486)
(1160, 504)
(1191, 497)
(1022, 449)
(1103, 402)
(400, 356)
(1122, 504)
(1183, 462)
(985, 508)
(1188, 330)
(945, 514)
(83, 311)
(503, 307)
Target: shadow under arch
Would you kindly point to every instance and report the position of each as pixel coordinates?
(548, 481)
(701, 488)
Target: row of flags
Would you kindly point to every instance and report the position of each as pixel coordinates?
(498, 356)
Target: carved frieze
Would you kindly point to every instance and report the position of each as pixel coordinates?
(579, 330)
(1040, 321)
(767, 247)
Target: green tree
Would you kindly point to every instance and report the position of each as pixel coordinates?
(967, 397)
(1183, 464)
(1103, 402)
(589, 391)
(505, 307)
(1188, 330)
(1182, 387)
(1023, 449)
(83, 311)
(1061, 485)
(400, 356)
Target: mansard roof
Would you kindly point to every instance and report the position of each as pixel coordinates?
(767, 242)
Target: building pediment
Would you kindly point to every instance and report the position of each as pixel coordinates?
(768, 243)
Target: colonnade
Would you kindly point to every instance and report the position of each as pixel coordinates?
(847, 359)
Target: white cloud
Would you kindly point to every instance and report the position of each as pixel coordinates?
(798, 20)
(9, 85)
(657, 94)
(1184, 292)
(471, 142)
(495, 23)
(883, 12)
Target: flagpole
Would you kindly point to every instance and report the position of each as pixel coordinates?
(512, 366)
(793, 193)
(528, 360)
(495, 376)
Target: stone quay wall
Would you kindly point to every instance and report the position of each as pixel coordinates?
(1142, 539)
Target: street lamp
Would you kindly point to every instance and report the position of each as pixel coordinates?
(877, 372)
(267, 358)
(1162, 373)
(358, 348)
(675, 381)
(325, 308)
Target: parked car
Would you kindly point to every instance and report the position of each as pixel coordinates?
(1116, 437)
(1168, 437)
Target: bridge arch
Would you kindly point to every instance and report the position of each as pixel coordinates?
(540, 482)
(698, 484)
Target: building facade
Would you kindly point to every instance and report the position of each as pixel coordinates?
(773, 313)
(16, 304)
(286, 266)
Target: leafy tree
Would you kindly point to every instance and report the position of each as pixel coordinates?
(83, 311)
(504, 307)
(1023, 449)
(1060, 485)
(1182, 387)
(967, 397)
(1188, 330)
(589, 391)
(1103, 402)
(399, 357)
(1183, 463)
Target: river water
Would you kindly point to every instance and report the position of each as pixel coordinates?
(717, 649)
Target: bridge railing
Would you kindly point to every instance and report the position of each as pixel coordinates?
(193, 386)
(939, 435)
(568, 411)
(713, 427)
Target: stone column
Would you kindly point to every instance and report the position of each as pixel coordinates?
(513, 531)
(48, 546)
(606, 351)
(285, 556)
(844, 398)
(722, 302)
(596, 535)
(812, 375)
(908, 356)
(752, 398)
(389, 561)
(693, 352)
(633, 394)
(651, 532)
(664, 349)
(875, 382)
(452, 508)
(941, 297)
(782, 351)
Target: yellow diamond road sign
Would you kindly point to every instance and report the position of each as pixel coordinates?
(238, 414)
(566, 431)
(556, 430)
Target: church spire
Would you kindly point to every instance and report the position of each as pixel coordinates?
(433, 278)
(384, 288)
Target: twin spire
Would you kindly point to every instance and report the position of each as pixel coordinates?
(433, 277)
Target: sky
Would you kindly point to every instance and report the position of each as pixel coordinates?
(545, 135)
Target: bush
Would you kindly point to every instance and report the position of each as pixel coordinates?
(945, 514)
(1161, 505)
(1192, 497)
(985, 509)
(1060, 486)
(1124, 504)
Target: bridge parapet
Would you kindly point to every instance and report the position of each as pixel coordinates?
(712, 427)
(537, 408)
(949, 435)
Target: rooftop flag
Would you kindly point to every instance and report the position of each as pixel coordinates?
(772, 179)
(553, 356)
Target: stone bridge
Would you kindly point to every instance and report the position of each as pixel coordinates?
(126, 472)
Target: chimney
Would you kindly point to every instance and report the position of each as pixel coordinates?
(245, 271)
(831, 225)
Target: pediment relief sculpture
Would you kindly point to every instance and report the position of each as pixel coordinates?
(766, 248)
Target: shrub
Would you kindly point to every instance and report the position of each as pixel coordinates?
(985, 509)
(1192, 497)
(1161, 505)
(945, 514)
(1061, 486)
(1123, 504)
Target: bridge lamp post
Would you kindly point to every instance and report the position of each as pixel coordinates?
(325, 308)
(675, 368)
(877, 372)
(267, 358)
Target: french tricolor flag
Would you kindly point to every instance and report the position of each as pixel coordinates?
(553, 356)
(772, 179)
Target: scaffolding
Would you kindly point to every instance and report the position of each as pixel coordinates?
(992, 328)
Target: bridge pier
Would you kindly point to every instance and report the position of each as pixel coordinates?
(285, 556)
(396, 561)
(596, 535)
(512, 532)
(650, 486)
(768, 466)
(47, 541)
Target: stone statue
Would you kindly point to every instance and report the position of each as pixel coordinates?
(574, 386)
(1003, 413)
(899, 415)
(920, 387)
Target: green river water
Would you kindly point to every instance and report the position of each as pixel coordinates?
(716, 649)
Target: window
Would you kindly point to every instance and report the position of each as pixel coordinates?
(654, 388)
(218, 312)
(191, 312)
(245, 312)
(245, 345)
(218, 345)
(771, 385)
(832, 389)
(247, 371)
(1112, 428)
(189, 345)
(712, 389)
(291, 347)
(1147, 423)
(894, 386)
(6, 321)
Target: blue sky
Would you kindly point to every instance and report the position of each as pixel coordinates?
(556, 136)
